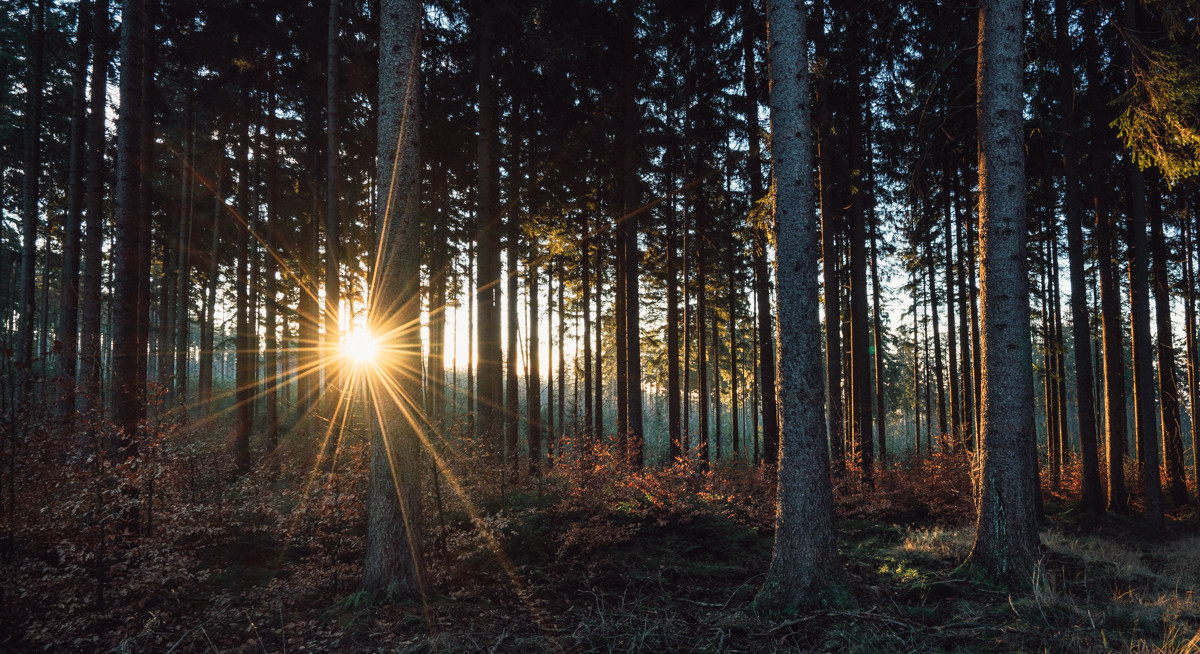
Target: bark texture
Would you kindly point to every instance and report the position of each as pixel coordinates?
(804, 564)
(394, 561)
(1006, 538)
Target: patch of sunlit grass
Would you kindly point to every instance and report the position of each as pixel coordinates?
(939, 543)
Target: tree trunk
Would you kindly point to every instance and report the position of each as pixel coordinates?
(804, 568)
(533, 379)
(245, 357)
(512, 407)
(331, 361)
(184, 264)
(943, 441)
(1143, 371)
(951, 346)
(1193, 362)
(1006, 538)
(89, 344)
(271, 377)
(1114, 361)
(762, 278)
(68, 307)
(30, 193)
(394, 567)
(489, 385)
(1168, 387)
(830, 226)
(127, 249)
(204, 381)
(674, 398)
(1092, 490)
(586, 306)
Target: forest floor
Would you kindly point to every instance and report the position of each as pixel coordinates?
(592, 557)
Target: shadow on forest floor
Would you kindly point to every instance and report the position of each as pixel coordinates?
(593, 557)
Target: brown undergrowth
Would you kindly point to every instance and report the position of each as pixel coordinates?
(176, 553)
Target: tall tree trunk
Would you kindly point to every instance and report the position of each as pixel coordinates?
(129, 218)
(512, 408)
(1139, 304)
(533, 379)
(1114, 361)
(943, 441)
(204, 381)
(30, 192)
(333, 248)
(245, 357)
(1168, 387)
(970, 425)
(145, 162)
(1143, 371)
(674, 399)
(184, 263)
(956, 431)
(877, 324)
(630, 126)
(394, 562)
(1193, 356)
(830, 225)
(271, 377)
(1006, 536)
(1092, 488)
(562, 356)
(751, 26)
(586, 306)
(804, 567)
(548, 426)
(68, 307)
(733, 348)
(489, 385)
(860, 323)
(701, 348)
(89, 344)
(599, 387)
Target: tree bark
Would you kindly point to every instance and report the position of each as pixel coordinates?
(1006, 539)
(394, 566)
(489, 385)
(68, 307)
(804, 568)
(1168, 387)
(127, 249)
(30, 193)
(331, 361)
(246, 358)
(1092, 488)
(89, 344)
(1143, 372)
(533, 379)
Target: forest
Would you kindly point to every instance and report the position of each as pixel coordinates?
(599, 326)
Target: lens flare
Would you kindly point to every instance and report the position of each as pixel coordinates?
(360, 347)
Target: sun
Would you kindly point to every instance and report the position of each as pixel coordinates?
(360, 347)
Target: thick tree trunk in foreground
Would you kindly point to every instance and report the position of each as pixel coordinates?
(1006, 538)
(804, 565)
(394, 565)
